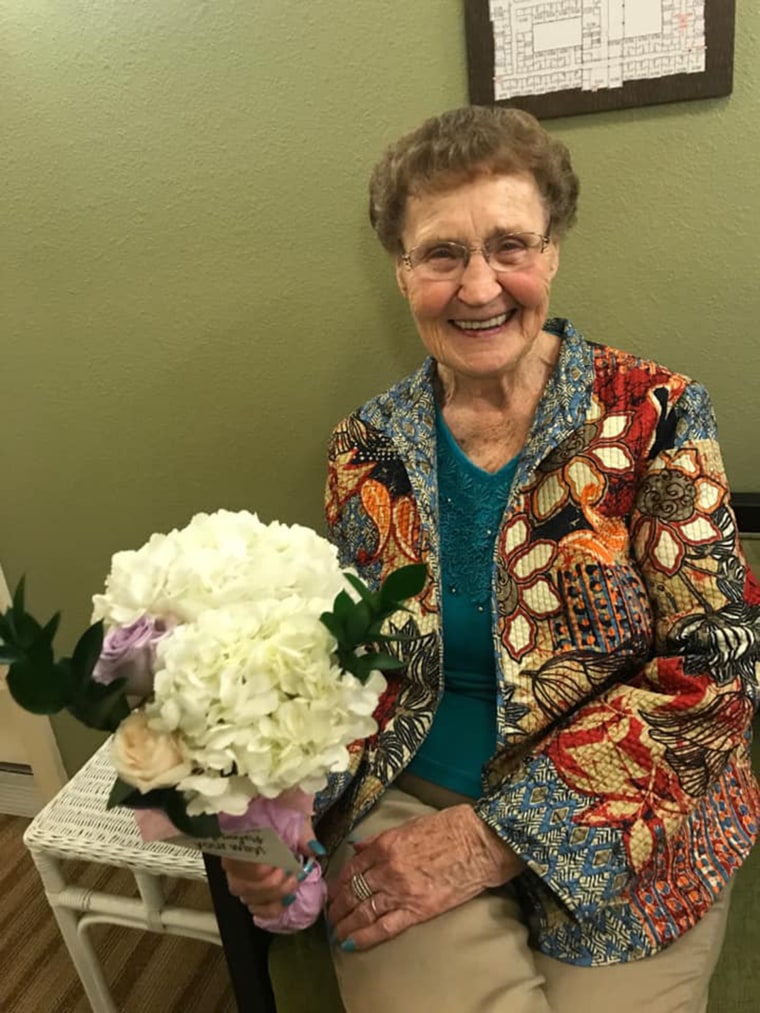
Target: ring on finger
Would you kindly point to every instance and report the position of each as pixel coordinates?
(360, 887)
(372, 904)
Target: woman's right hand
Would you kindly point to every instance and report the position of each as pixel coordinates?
(264, 889)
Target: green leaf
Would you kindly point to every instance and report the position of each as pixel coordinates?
(39, 690)
(329, 620)
(155, 799)
(169, 801)
(346, 657)
(383, 662)
(357, 667)
(9, 654)
(175, 808)
(101, 707)
(338, 620)
(51, 628)
(364, 592)
(357, 622)
(406, 582)
(7, 630)
(392, 638)
(121, 794)
(342, 606)
(40, 659)
(18, 596)
(87, 652)
(67, 676)
(8, 627)
(27, 630)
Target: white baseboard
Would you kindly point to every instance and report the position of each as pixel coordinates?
(18, 794)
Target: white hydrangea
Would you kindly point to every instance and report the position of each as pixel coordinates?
(217, 560)
(254, 690)
(246, 680)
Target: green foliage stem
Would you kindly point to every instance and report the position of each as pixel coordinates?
(357, 624)
(42, 685)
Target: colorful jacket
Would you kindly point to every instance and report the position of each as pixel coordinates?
(627, 640)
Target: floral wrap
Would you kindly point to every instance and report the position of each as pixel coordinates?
(627, 639)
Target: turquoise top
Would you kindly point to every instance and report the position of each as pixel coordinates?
(471, 505)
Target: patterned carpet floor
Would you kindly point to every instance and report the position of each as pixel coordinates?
(148, 973)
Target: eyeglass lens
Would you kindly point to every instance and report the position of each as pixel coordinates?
(503, 253)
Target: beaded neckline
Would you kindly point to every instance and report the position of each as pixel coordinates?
(471, 504)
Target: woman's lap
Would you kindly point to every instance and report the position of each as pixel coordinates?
(675, 980)
(476, 959)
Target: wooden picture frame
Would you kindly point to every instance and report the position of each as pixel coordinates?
(715, 80)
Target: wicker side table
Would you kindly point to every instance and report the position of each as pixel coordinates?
(77, 825)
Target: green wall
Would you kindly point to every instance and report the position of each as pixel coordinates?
(192, 296)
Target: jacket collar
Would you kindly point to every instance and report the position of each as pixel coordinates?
(406, 414)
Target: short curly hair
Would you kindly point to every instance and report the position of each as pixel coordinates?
(457, 147)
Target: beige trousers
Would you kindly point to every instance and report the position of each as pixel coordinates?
(476, 958)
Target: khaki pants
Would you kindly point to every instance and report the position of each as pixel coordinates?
(476, 958)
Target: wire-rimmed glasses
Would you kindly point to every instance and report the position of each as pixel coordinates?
(447, 260)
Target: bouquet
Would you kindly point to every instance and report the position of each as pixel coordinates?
(234, 663)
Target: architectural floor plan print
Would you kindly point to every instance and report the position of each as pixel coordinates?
(543, 46)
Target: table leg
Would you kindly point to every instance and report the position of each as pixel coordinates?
(80, 949)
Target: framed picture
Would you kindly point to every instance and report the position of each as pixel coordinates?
(563, 57)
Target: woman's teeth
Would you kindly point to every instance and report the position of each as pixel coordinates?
(483, 325)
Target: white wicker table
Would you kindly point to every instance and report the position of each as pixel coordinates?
(77, 825)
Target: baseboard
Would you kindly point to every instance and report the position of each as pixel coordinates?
(18, 794)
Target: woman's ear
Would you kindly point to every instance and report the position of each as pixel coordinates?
(552, 251)
(401, 277)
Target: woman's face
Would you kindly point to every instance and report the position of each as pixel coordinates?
(516, 302)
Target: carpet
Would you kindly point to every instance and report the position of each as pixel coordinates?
(148, 973)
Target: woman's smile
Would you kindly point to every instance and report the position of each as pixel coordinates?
(484, 328)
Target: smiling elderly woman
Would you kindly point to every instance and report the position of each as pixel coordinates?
(559, 793)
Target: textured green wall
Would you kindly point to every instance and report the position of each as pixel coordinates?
(191, 296)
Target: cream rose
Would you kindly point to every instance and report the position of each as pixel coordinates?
(146, 758)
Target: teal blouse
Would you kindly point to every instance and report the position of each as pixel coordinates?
(471, 504)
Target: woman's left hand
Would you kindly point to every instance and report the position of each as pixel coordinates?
(416, 871)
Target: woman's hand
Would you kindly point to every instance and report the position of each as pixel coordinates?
(266, 889)
(416, 871)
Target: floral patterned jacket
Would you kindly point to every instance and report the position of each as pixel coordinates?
(627, 640)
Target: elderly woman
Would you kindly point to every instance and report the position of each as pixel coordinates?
(559, 793)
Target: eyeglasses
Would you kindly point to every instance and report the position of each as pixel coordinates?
(447, 260)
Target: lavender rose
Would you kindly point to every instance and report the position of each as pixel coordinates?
(129, 652)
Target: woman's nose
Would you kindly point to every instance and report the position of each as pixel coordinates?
(479, 283)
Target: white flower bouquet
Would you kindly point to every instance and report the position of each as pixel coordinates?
(234, 663)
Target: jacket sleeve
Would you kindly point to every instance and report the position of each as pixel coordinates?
(336, 524)
(616, 784)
